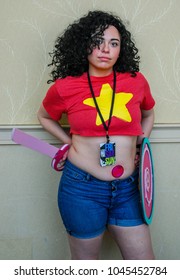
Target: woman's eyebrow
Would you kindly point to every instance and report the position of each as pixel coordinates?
(115, 39)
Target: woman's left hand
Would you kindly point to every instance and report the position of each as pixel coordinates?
(137, 156)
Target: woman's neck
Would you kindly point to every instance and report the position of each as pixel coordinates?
(100, 72)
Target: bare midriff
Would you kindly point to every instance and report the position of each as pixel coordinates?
(85, 154)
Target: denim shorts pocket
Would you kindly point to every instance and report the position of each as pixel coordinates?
(73, 174)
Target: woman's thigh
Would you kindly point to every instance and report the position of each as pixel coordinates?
(83, 203)
(133, 242)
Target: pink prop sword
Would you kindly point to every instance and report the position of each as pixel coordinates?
(31, 142)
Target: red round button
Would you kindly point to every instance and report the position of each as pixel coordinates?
(117, 171)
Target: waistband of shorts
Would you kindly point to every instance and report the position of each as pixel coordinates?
(74, 168)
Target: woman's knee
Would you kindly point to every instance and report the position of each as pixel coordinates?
(134, 242)
(85, 249)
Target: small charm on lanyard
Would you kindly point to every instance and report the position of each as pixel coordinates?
(107, 154)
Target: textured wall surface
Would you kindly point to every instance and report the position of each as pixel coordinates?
(29, 28)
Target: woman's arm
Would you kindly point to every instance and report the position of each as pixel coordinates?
(52, 126)
(147, 124)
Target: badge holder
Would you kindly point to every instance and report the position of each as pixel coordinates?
(107, 154)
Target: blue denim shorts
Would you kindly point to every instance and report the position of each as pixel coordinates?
(87, 205)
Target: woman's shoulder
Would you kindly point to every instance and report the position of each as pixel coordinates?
(139, 75)
(127, 75)
(69, 79)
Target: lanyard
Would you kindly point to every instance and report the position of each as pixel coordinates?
(106, 127)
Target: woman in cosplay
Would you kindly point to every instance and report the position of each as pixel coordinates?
(97, 83)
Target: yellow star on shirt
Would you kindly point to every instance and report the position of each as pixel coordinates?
(104, 103)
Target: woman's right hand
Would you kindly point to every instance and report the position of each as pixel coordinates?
(60, 158)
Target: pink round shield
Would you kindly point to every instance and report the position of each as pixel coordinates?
(146, 180)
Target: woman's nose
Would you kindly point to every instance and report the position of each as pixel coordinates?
(105, 46)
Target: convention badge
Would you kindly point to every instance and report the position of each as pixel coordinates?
(146, 180)
(107, 154)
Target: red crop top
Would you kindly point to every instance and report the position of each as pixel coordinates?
(72, 96)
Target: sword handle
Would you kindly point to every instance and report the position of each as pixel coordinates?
(58, 156)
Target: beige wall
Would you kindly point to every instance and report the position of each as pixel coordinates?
(30, 227)
(28, 30)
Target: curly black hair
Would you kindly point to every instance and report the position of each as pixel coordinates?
(69, 56)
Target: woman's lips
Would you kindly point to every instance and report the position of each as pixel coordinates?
(104, 58)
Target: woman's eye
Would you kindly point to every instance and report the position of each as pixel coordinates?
(114, 44)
